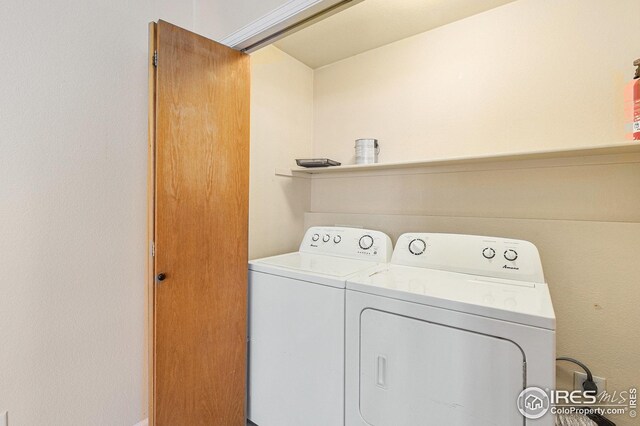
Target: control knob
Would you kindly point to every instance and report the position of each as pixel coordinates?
(337, 239)
(511, 255)
(366, 241)
(315, 237)
(489, 253)
(326, 238)
(417, 246)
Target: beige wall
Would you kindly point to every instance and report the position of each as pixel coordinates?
(214, 19)
(527, 76)
(582, 214)
(73, 153)
(281, 130)
(73, 135)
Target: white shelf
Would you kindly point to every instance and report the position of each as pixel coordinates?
(614, 149)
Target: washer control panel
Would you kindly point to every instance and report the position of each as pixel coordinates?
(355, 243)
(470, 254)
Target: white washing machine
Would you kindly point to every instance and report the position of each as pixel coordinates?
(296, 326)
(449, 333)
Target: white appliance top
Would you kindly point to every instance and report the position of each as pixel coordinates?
(328, 255)
(352, 243)
(492, 277)
(470, 254)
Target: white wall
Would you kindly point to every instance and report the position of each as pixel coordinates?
(530, 75)
(281, 130)
(214, 19)
(73, 109)
(218, 19)
(73, 119)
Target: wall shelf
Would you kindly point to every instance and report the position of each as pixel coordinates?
(614, 149)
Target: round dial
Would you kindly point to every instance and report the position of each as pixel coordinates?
(417, 246)
(511, 255)
(366, 241)
(489, 253)
(326, 238)
(315, 237)
(337, 239)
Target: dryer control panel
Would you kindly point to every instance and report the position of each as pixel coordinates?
(353, 243)
(470, 254)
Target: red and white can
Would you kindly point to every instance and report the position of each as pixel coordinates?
(633, 103)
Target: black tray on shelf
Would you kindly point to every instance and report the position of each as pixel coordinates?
(316, 162)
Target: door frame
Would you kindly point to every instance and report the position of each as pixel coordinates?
(282, 21)
(149, 370)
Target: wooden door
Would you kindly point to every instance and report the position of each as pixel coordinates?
(200, 152)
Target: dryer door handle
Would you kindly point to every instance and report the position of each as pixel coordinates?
(381, 371)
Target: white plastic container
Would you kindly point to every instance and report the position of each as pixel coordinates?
(367, 151)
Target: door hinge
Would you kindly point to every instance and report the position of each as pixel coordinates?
(155, 58)
(153, 249)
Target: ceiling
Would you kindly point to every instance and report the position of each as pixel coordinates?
(374, 23)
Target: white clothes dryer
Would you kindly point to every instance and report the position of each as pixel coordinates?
(449, 333)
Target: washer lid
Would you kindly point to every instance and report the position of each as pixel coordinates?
(521, 302)
(318, 268)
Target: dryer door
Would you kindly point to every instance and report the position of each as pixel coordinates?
(414, 372)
